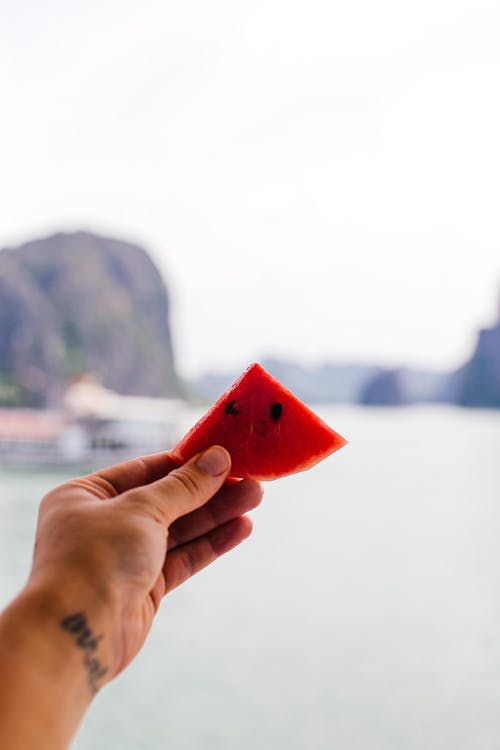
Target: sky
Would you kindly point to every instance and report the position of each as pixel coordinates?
(316, 180)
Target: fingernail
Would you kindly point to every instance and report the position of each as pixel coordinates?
(214, 461)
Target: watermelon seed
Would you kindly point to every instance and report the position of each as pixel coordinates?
(275, 411)
(230, 408)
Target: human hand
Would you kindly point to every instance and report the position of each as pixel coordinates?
(110, 545)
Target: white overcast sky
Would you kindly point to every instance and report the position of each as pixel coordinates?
(316, 179)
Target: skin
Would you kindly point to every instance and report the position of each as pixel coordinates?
(108, 547)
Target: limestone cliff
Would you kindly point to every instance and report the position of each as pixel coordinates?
(73, 303)
(480, 377)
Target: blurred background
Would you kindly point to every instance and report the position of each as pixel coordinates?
(189, 187)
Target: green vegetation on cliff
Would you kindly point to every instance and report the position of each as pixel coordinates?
(73, 303)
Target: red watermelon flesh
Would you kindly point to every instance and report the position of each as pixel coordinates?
(268, 432)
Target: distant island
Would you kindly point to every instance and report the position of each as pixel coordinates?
(475, 384)
(340, 383)
(76, 303)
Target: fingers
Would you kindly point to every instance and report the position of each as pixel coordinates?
(114, 480)
(230, 502)
(184, 489)
(188, 559)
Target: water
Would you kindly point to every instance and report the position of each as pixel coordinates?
(363, 614)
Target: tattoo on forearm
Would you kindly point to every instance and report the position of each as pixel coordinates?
(85, 639)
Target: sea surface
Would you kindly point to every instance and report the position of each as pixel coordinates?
(362, 614)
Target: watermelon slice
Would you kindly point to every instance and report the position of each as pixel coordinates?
(268, 432)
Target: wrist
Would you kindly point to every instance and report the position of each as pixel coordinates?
(79, 617)
(44, 679)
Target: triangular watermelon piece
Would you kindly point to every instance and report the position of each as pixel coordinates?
(268, 432)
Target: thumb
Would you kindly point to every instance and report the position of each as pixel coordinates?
(185, 488)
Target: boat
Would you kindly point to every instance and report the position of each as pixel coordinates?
(93, 427)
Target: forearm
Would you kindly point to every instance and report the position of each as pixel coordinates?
(51, 664)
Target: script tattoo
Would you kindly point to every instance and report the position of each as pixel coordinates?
(85, 639)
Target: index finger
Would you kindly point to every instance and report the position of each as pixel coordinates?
(137, 472)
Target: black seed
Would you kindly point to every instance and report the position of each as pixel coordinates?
(230, 408)
(275, 411)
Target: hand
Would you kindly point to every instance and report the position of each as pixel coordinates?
(110, 545)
